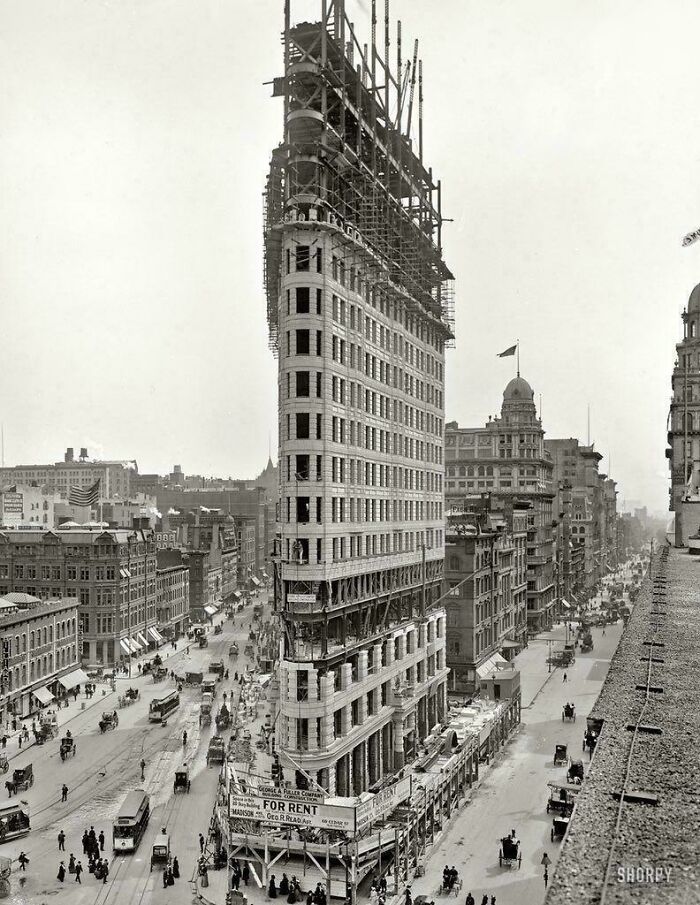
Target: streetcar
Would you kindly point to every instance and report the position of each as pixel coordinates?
(131, 821)
(161, 707)
(14, 821)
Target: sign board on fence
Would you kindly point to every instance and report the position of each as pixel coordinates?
(383, 803)
(307, 795)
(286, 812)
(301, 598)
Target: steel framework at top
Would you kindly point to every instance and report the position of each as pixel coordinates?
(347, 163)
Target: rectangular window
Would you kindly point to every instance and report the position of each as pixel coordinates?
(318, 384)
(302, 347)
(319, 426)
(302, 257)
(302, 425)
(319, 342)
(318, 301)
(319, 260)
(302, 383)
(302, 299)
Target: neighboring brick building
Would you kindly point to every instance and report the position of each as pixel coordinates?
(485, 572)
(39, 648)
(112, 574)
(172, 593)
(115, 476)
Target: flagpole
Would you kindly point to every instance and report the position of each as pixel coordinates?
(517, 351)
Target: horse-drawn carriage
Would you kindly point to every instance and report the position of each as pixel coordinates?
(45, 731)
(67, 748)
(218, 629)
(203, 641)
(590, 740)
(510, 854)
(205, 712)
(561, 756)
(568, 712)
(217, 667)
(586, 644)
(249, 650)
(233, 651)
(130, 696)
(575, 772)
(22, 779)
(4, 764)
(181, 782)
(108, 721)
(561, 799)
(223, 717)
(159, 673)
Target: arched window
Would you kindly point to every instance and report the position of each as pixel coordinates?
(489, 471)
(688, 422)
(481, 471)
(470, 471)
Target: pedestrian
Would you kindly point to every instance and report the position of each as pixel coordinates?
(493, 900)
(78, 872)
(64, 792)
(71, 864)
(201, 843)
(546, 878)
(105, 870)
(19, 739)
(485, 900)
(4, 742)
(470, 899)
(102, 840)
(272, 890)
(184, 742)
(176, 868)
(143, 768)
(409, 897)
(61, 841)
(245, 873)
(171, 878)
(86, 841)
(23, 861)
(165, 879)
(61, 875)
(564, 677)
(14, 724)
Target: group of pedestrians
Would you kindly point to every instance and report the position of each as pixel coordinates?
(239, 873)
(93, 847)
(171, 873)
(484, 901)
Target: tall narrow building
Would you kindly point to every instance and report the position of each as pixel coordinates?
(359, 312)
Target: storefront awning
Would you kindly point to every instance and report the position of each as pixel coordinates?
(564, 603)
(256, 581)
(125, 645)
(508, 644)
(155, 634)
(237, 595)
(210, 610)
(142, 640)
(71, 679)
(493, 662)
(125, 573)
(135, 646)
(43, 695)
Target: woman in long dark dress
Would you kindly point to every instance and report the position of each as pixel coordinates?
(284, 885)
(272, 890)
(176, 868)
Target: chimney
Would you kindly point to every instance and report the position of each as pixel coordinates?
(195, 533)
(83, 453)
(69, 455)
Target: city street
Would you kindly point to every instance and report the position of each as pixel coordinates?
(106, 767)
(513, 792)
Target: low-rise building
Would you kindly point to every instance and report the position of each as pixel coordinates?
(23, 505)
(114, 476)
(39, 644)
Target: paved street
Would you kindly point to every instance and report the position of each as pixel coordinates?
(513, 792)
(105, 768)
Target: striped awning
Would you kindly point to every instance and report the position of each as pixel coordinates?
(157, 637)
(71, 679)
(210, 610)
(43, 695)
(135, 646)
(125, 645)
(142, 640)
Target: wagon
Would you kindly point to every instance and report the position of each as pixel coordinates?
(568, 713)
(217, 751)
(159, 674)
(561, 756)
(217, 666)
(22, 779)
(181, 783)
(223, 718)
(160, 853)
(108, 721)
(202, 641)
(510, 854)
(44, 733)
(561, 799)
(560, 825)
(218, 629)
(233, 651)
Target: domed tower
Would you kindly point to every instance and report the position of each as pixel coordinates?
(684, 416)
(518, 409)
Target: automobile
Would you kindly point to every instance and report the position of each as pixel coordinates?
(510, 854)
(181, 783)
(67, 748)
(561, 756)
(560, 825)
(160, 853)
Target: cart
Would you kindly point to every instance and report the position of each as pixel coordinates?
(160, 853)
(209, 687)
(575, 772)
(217, 666)
(560, 825)
(203, 641)
(223, 717)
(510, 854)
(233, 651)
(218, 629)
(568, 713)
(67, 748)
(159, 674)
(181, 782)
(561, 756)
(108, 721)
(561, 799)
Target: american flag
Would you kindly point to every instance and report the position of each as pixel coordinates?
(89, 497)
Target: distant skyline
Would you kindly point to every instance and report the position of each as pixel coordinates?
(135, 144)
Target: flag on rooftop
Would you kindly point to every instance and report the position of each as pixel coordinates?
(509, 351)
(89, 497)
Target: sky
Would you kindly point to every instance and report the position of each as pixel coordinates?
(134, 143)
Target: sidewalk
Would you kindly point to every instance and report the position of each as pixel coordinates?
(533, 665)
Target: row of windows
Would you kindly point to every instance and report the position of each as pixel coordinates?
(72, 573)
(302, 259)
(354, 545)
(487, 471)
(363, 473)
(40, 637)
(357, 509)
(351, 356)
(39, 668)
(351, 433)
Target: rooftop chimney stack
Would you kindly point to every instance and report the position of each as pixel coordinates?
(69, 455)
(83, 453)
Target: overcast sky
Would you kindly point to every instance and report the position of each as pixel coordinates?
(134, 143)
